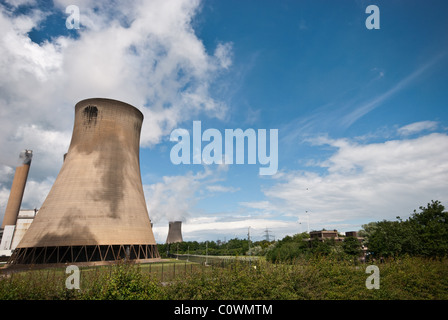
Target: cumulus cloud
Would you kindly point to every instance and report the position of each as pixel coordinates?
(154, 61)
(363, 182)
(145, 53)
(175, 197)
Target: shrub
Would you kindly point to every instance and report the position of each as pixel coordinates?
(127, 283)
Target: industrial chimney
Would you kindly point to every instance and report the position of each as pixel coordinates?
(174, 232)
(96, 210)
(17, 189)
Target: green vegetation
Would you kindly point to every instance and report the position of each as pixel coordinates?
(233, 247)
(411, 256)
(315, 278)
(424, 234)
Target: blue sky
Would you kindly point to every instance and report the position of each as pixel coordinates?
(361, 114)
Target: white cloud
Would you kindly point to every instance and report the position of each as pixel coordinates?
(223, 53)
(34, 194)
(367, 106)
(219, 188)
(175, 197)
(156, 63)
(145, 53)
(364, 182)
(213, 228)
(17, 3)
(236, 228)
(418, 127)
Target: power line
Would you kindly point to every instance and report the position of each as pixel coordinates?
(266, 236)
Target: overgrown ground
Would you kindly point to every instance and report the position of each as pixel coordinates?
(316, 279)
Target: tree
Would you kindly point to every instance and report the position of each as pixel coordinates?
(387, 239)
(284, 252)
(351, 246)
(322, 248)
(431, 228)
(425, 233)
(367, 230)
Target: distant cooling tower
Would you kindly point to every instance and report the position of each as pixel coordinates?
(174, 232)
(17, 189)
(96, 210)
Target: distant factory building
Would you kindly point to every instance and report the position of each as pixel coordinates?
(325, 234)
(12, 234)
(174, 232)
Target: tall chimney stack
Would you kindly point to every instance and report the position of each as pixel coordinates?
(17, 189)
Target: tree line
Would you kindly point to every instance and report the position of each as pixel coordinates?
(232, 247)
(424, 234)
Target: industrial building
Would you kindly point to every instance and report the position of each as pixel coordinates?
(174, 232)
(12, 234)
(95, 210)
(325, 234)
(16, 222)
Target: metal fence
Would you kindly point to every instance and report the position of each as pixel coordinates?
(186, 264)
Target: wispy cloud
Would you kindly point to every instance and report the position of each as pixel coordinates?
(344, 110)
(220, 188)
(417, 127)
(370, 105)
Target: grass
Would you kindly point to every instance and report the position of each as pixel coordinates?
(316, 279)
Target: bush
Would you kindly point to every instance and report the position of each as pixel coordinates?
(284, 252)
(425, 234)
(127, 283)
(317, 277)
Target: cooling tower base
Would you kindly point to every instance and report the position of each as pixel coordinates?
(73, 254)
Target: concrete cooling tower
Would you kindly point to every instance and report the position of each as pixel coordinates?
(95, 210)
(174, 232)
(17, 189)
